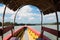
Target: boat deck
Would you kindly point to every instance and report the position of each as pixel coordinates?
(26, 35)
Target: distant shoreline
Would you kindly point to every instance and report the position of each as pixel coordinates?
(35, 24)
(16, 24)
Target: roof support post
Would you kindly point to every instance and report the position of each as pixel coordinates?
(15, 16)
(41, 18)
(41, 24)
(57, 24)
(3, 19)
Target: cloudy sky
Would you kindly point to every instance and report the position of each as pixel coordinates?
(27, 14)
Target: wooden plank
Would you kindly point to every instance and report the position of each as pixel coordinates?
(2, 31)
(58, 33)
(14, 33)
(52, 31)
(7, 29)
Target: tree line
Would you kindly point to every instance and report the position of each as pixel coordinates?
(50, 23)
(16, 24)
(6, 23)
(0, 24)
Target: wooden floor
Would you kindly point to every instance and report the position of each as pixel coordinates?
(26, 35)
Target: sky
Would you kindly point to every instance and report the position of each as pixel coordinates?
(27, 14)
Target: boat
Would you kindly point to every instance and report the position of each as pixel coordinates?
(46, 6)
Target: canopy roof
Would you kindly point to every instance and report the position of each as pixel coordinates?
(47, 6)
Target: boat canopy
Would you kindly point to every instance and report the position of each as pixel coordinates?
(47, 6)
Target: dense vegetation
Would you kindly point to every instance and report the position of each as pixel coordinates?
(6, 23)
(0, 23)
(16, 24)
(50, 23)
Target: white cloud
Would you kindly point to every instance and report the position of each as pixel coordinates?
(38, 10)
(12, 17)
(18, 18)
(27, 14)
(1, 9)
(50, 18)
(31, 18)
(26, 11)
(0, 18)
(49, 15)
(8, 11)
(58, 14)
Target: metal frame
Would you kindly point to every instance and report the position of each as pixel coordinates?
(15, 16)
(57, 23)
(41, 24)
(3, 19)
(41, 18)
(14, 21)
(17, 12)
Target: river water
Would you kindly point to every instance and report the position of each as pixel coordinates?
(38, 28)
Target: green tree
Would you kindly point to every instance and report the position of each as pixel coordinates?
(0, 24)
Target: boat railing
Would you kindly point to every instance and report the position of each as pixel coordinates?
(16, 33)
(52, 31)
(6, 29)
(35, 35)
(32, 33)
